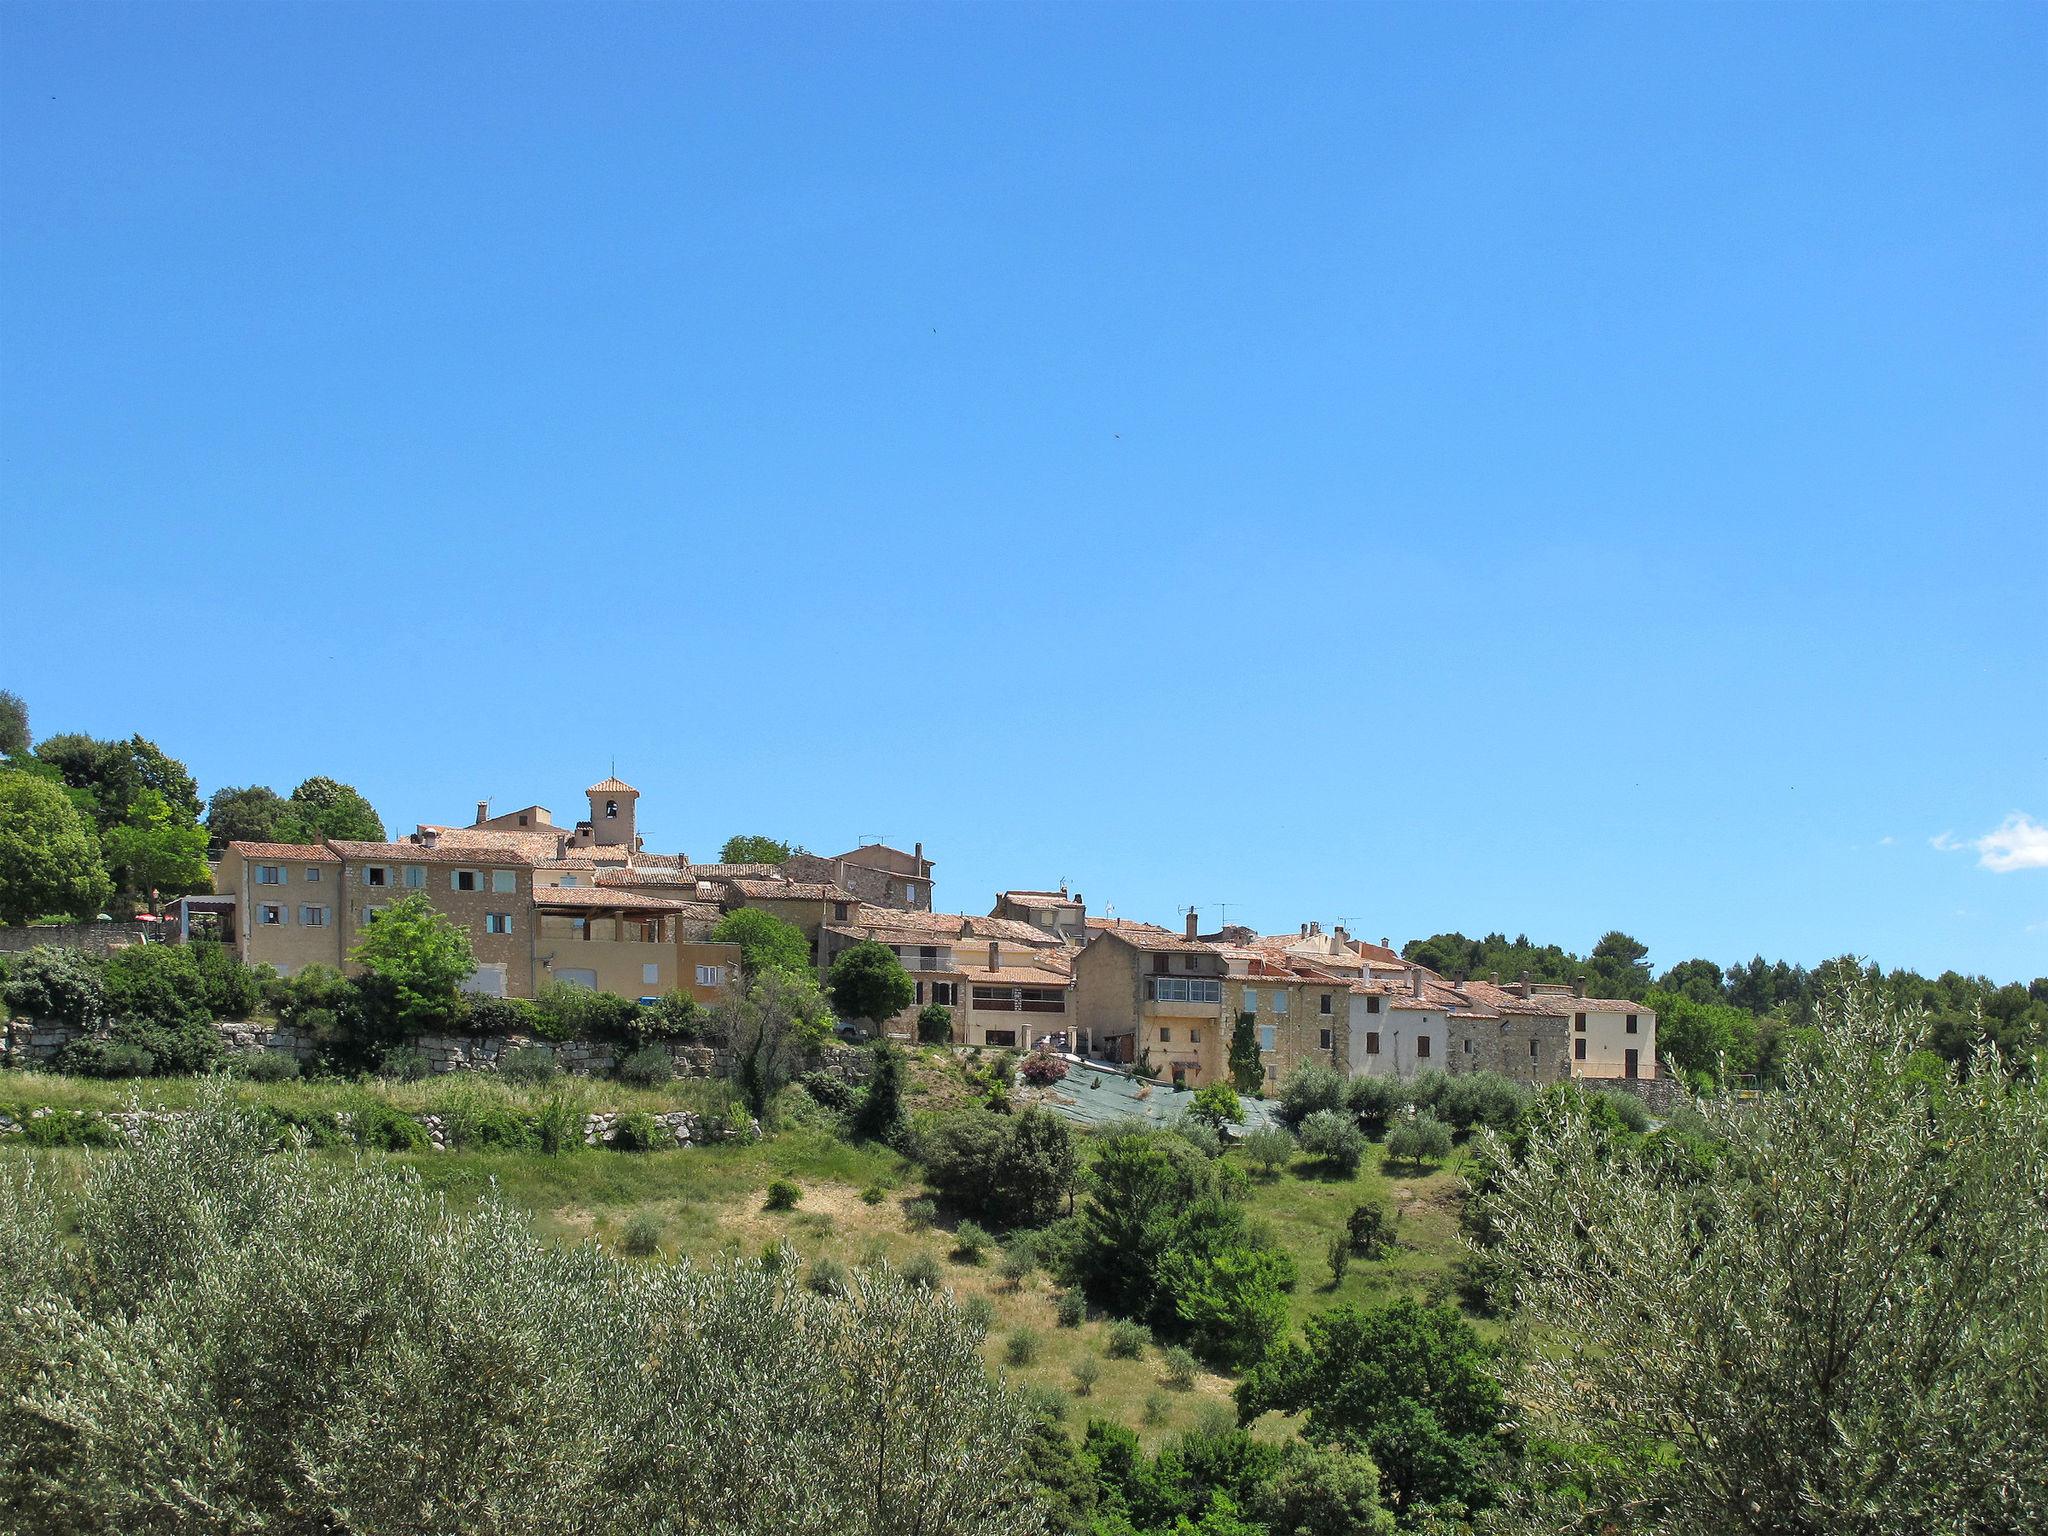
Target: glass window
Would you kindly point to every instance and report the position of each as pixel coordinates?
(497, 922)
(1165, 1036)
(1372, 1005)
(465, 880)
(313, 876)
(313, 917)
(376, 874)
(1268, 1033)
(1323, 1005)
(1279, 999)
(1326, 1040)
(1251, 999)
(269, 916)
(270, 874)
(650, 974)
(1631, 1023)
(1422, 1047)
(710, 975)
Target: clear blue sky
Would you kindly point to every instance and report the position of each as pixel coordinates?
(1528, 468)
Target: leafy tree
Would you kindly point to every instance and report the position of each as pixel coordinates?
(1410, 1385)
(1374, 1101)
(1841, 1324)
(1221, 1284)
(114, 773)
(1018, 1170)
(1247, 1069)
(868, 982)
(1700, 981)
(1309, 1087)
(1269, 1147)
(156, 849)
(422, 956)
(14, 737)
(49, 857)
(1705, 1039)
(1333, 1136)
(1325, 1491)
(766, 942)
(159, 982)
(290, 1344)
(330, 808)
(751, 849)
(1618, 967)
(58, 985)
(257, 814)
(1419, 1138)
(1217, 1103)
(880, 1111)
(767, 1030)
(935, 1024)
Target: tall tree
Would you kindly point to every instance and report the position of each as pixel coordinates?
(768, 1029)
(1839, 1324)
(766, 942)
(331, 808)
(1247, 1067)
(49, 858)
(14, 737)
(422, 956)
(1618, 967)
(751, 848)
(157, 849)
(257, 814)
(869, 982)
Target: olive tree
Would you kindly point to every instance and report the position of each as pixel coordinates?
(1836, 1320)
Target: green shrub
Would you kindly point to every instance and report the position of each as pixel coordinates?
(1269, 1148)
(1181, 1367)
(57, 986)
(1019, 1263)
(565, 1011)
(1467, 1100)
(1155, 1408)
(1310, 1088)
(157, 983)
(1419, 1139)
(935, 1024)
(404, 1064)
(1128, 1340)
(672, 1016)
(103, 1057)
(498, 1016)
(980, 1313)
(1334, 1137)
(1624, 1107)
(476, 1124)
(1015, 1169)
(70, 1128)
(782, 1196)
(923, 1270)
(874, 1194)
(642, 1237)
(558, 1125)
(827, 1276)
(1339, 1253)
(1087, 1371)
(830, 1090)
(1021, 1348)
(1071, 1309)
(266, 1066)
(315, 1127)
(638, 1132)
(230, 989)
(970, 1241)
(530, 1066)
(376, 1124)
(921, 1214)
(1370, 1229)
(135, 1047)
(648, 1067)
(310, 1000)
(1374, 1101)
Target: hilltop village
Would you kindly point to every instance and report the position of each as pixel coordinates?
(588, 904)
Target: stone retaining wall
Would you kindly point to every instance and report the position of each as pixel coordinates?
(99, 938)
(1660, 1095)
(681, 1126)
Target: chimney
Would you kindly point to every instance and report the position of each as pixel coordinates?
(1383, 942)
(1315, 930)
(1493, 978)
(917, 852)
(1304, 931)
(1522, 983)
(483, 812)
(1343, 938)
(995, 956)
(1579, 986)
(1191, 923)
(1415, 980)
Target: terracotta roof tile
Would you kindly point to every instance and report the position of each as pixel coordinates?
(308, 852)
(419, 853)
(611, 786)
(789, 890)
(590, 896)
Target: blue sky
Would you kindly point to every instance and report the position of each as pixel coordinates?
(1528, 468)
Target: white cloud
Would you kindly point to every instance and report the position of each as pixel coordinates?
(2018, 842)
(1886, 841)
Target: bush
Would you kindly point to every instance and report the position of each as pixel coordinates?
(1155, 1408)
(1019, 1263)
(530, 1066)
(874, 1194)
(1339, 1252)
(230, 989)
(1333, 1136)
(1181, 1367)
(1021, 1348)
(1370, 1229)
(829, 1089)
(103, 1057)
(921, 1214)
(376, 1124)
(827, 1276)
(157, 983)
(475, 1123)
(70, 1128)
(1422, 1138)
(558, 1125)
(1198, 1132)
(1015, 1169)
(782, 1196)
(672, 1016)
(564, 1011)
(1311, 1088)
(1128, 1340)
(923, 1270)
(1087, 1371)
(1218, 1104)
(980, 1313)
(1625, 1108)
(310, 1001)
(642, 1237)
(134, 1047)
(1471, 1099)
(498, 1016)
(638, 1132)
(404, 1064)
(57, 986)
(1041, 1069)
(1269, 1148)
(267, 1066)
(970, 1241)
(879, 1111)
(1071, 1309)
(935, 1025)
(648, 1067)
(1374, 1101)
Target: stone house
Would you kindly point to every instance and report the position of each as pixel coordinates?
(1147, 996)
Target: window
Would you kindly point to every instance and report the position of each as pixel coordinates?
(568, 880)
(1191, 962)
(1532, 1050)
(650, 974)
(917, 993)
(1194, 1037)
(522, 821)
(1422, 1047)
(910, 893)
(1160, 963)
(497, 922)
(947, 992)
(1631, 1023)
(1468, 1047)
(1372, 1005)
(270, 874)
(376, 874)
(1165, 1036)
(1323, 1003)
(1251, 999)
(1326, 1039)
(465, 880)
(370, 915)
(838, 911)
(1000, 1036)
(269, 915)
(928, 957)
(710, 975)
(415, 877)
(1372, 1042)
(313, 917)
(504, 880)
(313, 876)
(611, 810)
(1578, 1050)
(1279, 1000)
(1267, 1034)
(1185, 989)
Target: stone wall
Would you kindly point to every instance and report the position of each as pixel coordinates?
(1660, 1095)
(99, 938)
(681, 1126)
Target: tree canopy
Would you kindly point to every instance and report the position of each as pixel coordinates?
(49, 858)
(752, 848)
(421, 955)
(867, 981)
(14, 737)
(766, 942)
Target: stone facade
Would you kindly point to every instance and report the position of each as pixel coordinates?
(1530, 1048)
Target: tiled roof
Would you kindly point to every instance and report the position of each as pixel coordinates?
(1015, 976)
(419, 853)
(1150, 936)
(1038, 900)
(789, 890)
(611, 901)
(733, 871)
(904, 937)
(544, 844)
(611, 786)
(637, 875)
(308, 852)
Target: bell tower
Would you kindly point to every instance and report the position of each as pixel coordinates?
(612, 803)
